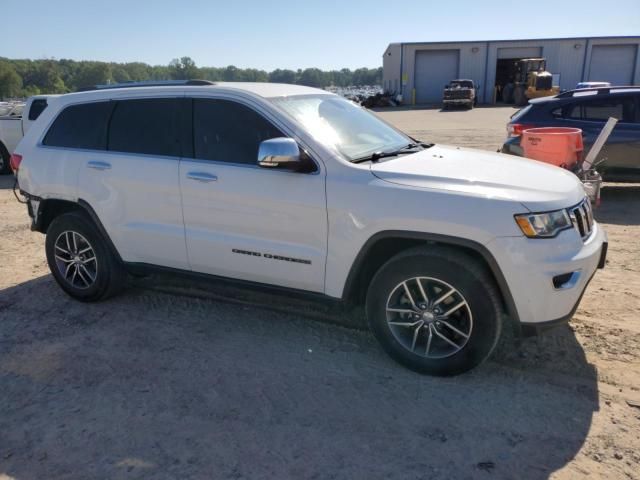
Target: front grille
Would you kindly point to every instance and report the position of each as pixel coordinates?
(457, 94)
(582, 218)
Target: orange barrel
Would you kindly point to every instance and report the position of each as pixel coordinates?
(556, 145)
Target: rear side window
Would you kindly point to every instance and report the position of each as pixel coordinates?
(80, 126)
(622, 108)
(226, 131)
(147, 126)
(37, 107)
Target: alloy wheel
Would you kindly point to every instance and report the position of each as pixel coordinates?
(76, 259)
(429, 317)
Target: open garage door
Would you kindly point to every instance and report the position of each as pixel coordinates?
(613, 63)
(519, 52)
(434, 69)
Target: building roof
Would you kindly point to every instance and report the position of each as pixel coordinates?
(614, 37)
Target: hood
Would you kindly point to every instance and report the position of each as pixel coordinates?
(536, 185)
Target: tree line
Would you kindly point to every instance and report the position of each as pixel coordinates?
(23, 78)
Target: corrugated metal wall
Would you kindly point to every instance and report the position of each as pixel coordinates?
(569, 58)
(391, 68)
(471, 57)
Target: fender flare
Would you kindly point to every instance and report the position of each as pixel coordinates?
(472, 245)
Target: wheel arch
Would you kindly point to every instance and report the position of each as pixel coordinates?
(51, 208)
(384, 245)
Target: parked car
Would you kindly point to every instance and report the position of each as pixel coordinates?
(588, 110)
(298, 188)
(13, 126)
(582, 85)
(11, 109)
(459, 92)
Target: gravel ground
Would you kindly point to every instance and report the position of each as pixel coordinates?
(175, 379)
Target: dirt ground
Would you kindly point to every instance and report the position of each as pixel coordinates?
(179, 380)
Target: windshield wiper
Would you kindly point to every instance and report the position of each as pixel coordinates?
(375, 156)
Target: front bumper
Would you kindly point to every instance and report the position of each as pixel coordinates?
(531, 265)
(458, 101)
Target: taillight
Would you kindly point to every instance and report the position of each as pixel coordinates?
(516, 129)
(14, 161)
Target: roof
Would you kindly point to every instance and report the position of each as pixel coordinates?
(270, 90)
(614, 37)
(265, 90)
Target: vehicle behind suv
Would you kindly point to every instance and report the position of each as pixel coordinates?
(459, 93)
(293, 187)
(16, 121)
(588, 110)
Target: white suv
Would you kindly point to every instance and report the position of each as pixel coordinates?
(298, 188)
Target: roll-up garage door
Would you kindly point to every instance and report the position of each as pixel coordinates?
(434, 69)
(613, 63)
(519, 52)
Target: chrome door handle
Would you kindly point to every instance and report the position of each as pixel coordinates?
(98, 165)
(202, 177)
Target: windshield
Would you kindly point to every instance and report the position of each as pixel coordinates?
(461, 84)
(352, 130)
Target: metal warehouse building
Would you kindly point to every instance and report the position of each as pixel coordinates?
(419, 71)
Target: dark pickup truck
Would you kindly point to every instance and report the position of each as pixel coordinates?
(459, 93)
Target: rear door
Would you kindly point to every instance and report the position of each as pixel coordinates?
(622, 150)
(244, 221)
(133, 184)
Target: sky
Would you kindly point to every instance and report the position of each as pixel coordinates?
(291, 34)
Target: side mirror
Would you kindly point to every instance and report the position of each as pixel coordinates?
(279, 152)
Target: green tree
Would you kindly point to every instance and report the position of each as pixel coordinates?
(232, 74)
(183, 68)
(46, 75)
(10, 81)
(282, 76)
(311, 77)
(119, 74)
(93, 73)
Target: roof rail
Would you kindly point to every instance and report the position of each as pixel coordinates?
(149, 83)
(598, 90)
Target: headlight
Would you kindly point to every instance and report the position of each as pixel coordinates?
(543, 225)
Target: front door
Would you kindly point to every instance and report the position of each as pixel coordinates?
(244, 221)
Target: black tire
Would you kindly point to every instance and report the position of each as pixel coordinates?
(482, 311)
(5, 167)
(104, 276)
(507, 93)
(519, 98)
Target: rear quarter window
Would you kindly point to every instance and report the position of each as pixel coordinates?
(521, 113)
(80, 126)
(600, 109)
(37, 107)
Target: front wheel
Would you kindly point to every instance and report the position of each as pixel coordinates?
(436, 311)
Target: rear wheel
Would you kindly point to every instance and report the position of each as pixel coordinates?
(4, 160)
(80, 259)
(435, 311)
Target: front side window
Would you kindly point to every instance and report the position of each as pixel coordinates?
(148, 126)
(227, 131)
(351, 130)
(80, 126)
